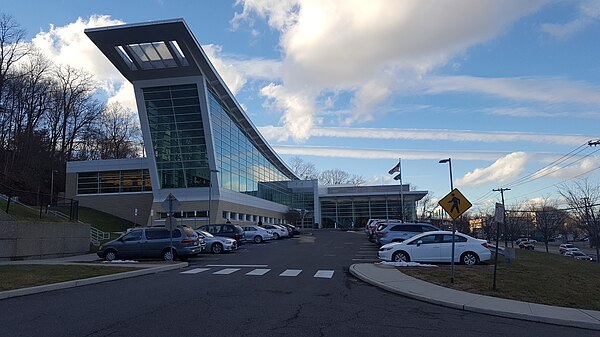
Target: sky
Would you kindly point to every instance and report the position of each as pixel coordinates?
(509, 90)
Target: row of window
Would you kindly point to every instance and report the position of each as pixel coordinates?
(226, 215)
(113, 182)
(355, 213)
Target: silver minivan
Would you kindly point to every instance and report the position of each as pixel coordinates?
(153, 242)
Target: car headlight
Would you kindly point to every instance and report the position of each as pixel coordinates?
(100, 248)
(386, 247)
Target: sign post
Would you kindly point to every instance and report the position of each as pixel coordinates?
(170, 204)
(455, 204)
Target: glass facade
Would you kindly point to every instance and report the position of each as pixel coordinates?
(346, 212)
(242, 167)
(177, 135)
(113, 182)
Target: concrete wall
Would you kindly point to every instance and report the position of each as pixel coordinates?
(30, 240)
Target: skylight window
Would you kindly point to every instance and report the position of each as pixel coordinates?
(152, 55)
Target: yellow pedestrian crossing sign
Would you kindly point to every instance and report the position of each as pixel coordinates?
(455, 203)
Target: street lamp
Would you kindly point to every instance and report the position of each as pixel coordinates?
(52, 186)
(210, 194)
(449, 161)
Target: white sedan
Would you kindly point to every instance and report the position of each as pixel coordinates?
(437, 247)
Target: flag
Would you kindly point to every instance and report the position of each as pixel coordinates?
(395, 169)
(398, 177)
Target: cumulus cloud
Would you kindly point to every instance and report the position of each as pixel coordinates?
(354, 45)
(273, 133)
(575, 168)
(507, 167)
(588, 12)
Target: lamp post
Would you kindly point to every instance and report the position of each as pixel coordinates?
(449, 161)
(52, 186)
(210, 194)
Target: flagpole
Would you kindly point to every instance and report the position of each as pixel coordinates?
(401, 192)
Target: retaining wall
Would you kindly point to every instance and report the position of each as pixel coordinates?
(20, 240)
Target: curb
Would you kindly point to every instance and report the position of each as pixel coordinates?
(467, 307)
(87, 281)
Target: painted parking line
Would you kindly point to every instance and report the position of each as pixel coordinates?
(226, 271)
(324, 274)
(195, 271)
(258, 272)
(239, 265)
(291, 272)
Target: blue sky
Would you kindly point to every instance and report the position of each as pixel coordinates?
(504, 88)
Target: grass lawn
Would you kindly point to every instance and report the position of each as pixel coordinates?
(103, 221)
(22, 213)
(23, 276)
(535, 277)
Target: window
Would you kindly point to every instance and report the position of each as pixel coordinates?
(132, 236)
(457, 238)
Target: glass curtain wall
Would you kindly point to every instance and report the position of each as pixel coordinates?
(113, 182)
(177, 135)
(346, 212)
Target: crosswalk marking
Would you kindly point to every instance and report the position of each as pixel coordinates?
(258, 272)
(226, 271)
(195, 270)
(324, 274)
(291, 272)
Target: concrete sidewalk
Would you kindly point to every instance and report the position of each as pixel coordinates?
(391, 279)
(88, 260)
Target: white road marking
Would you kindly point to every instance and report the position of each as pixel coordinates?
(239, 265)
(195, 270)
(324, 274)
(226, 271)
(258, 272)
(291, 272)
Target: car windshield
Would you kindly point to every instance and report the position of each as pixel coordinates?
(206, 234)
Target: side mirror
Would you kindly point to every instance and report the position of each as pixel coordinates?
(419, 243)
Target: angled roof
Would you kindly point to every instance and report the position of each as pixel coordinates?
(166, 49)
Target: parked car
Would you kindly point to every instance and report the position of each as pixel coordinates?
(398, 232)
(278, 231)
(257, 234)
(227, 230)
(437, 247)
(579, 255)
(519, 240)
(153, 242)
(570, 250)
(293, 230)
(563, 247)
(526, 245)
(373, 224)
(217, 244)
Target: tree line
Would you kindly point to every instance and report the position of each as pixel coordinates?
(52, 113)
(307, 171)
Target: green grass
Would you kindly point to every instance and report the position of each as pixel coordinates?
(535, 277)
(22, 213)
(23, 276)
(103, 221)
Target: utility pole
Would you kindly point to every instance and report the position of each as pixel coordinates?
(501, 190)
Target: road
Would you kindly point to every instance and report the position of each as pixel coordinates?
(290, 287)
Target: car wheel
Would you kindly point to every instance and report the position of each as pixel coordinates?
(216, 248)
(276, 236)
(258, 239)
(400, 257)
(469, 258)
(110, 255)
(167, 256)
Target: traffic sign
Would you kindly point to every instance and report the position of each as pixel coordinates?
(455, 203)
(171, 203)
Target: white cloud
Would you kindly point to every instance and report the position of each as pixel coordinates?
(589, 11)
(507, 167)
(274, 133)
(298, 116)
(570, 170)
(545, 90)
(343, 44)
(529, 112)
(70, 46)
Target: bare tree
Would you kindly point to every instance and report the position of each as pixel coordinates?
(118, 130)
(356, 180)
(303, 169)
(425, 206)
(584, 199)
(12, 47)
(334, 177)
(547, 219)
